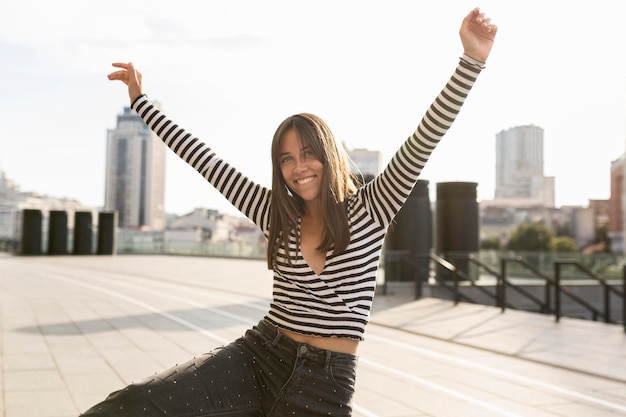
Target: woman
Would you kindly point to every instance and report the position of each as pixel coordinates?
(324, 236)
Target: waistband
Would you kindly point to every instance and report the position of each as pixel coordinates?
(313, 353)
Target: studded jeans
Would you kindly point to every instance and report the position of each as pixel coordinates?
(263, 373)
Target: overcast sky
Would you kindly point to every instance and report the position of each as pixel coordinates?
(231, 71)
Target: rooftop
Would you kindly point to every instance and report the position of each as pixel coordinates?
(75, 328)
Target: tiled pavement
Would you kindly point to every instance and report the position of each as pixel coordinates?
(76, 328)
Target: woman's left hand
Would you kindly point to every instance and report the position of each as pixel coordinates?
(477, 35)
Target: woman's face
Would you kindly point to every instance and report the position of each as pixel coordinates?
(302, 171)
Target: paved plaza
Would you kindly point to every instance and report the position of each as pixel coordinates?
(74, 328)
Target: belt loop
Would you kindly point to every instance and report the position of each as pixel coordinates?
(276, 338)
(328, 357)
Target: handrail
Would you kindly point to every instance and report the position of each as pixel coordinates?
(499, 297)
(503, 282)
(454, 289)
(460, 274)
(624, 299)
(472, 258)
(607, 290)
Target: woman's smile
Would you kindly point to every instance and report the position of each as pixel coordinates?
(302, 170)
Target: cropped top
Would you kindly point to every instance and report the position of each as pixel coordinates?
(337, 302)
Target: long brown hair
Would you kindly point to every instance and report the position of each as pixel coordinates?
(286, 207)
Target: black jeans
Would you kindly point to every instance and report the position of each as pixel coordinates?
(264, 373)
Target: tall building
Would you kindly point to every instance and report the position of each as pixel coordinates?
(365, 162)
(616, 205)
(135, 174)
(519, 166)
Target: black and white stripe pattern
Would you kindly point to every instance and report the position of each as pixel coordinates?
(336, 303)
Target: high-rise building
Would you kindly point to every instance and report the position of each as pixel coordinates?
(617, 202)
(365, 162)
(135, 174)
(519, 166)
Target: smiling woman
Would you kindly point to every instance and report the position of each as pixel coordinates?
(310, 181)
(325, 237)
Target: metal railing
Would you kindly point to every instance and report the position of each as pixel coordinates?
(450, 267)
(607, 290)
(504, 282)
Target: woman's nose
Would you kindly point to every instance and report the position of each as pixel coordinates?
(301, 164)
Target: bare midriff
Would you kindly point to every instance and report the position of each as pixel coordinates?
(336, 344)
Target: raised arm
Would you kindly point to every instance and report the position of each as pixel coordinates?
(252, 199)
(389, 190)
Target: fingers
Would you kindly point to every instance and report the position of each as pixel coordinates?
(479, 18)
(127, 74)
(477, 34)
(118, 75)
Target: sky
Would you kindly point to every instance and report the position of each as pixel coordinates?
(229, 71)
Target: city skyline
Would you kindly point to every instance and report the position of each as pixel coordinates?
(235, 70)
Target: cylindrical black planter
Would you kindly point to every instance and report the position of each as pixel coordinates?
(82, 233)
(107, 226)
(57, 233)
(410, 234)
(457, 220)
(31, 232)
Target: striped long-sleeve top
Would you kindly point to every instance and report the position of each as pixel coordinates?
(337, 302)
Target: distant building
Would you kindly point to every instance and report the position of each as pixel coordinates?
(13, 202)
(617, 204)
(588, 222)
(135, 174)
(201, 224)
(519, 166)
(523, 194)
(365, 162)
(500, 217)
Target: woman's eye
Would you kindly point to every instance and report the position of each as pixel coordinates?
(285, 160)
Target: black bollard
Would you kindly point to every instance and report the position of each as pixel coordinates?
(457, 222)
(82, 233)
(57, 233)
(107, 225)
(31, 232)
(410, 236)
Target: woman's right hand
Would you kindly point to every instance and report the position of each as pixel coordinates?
(129, 76)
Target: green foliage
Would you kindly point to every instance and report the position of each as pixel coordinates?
(536, 237)
(491, 243)
(602, 236)
(563, 244)
(564, 230)
(530, 237)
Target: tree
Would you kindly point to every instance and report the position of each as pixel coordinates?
(563, 229)
(491, 243)
(563, 244)
(530, 237)
(602, 236)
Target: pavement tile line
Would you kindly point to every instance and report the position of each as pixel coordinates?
(178, 320)
(421, 381)
(440, 388)
(501, 373)
(519, 354)
(211, 335)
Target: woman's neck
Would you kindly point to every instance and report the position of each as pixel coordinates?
(313, 211)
